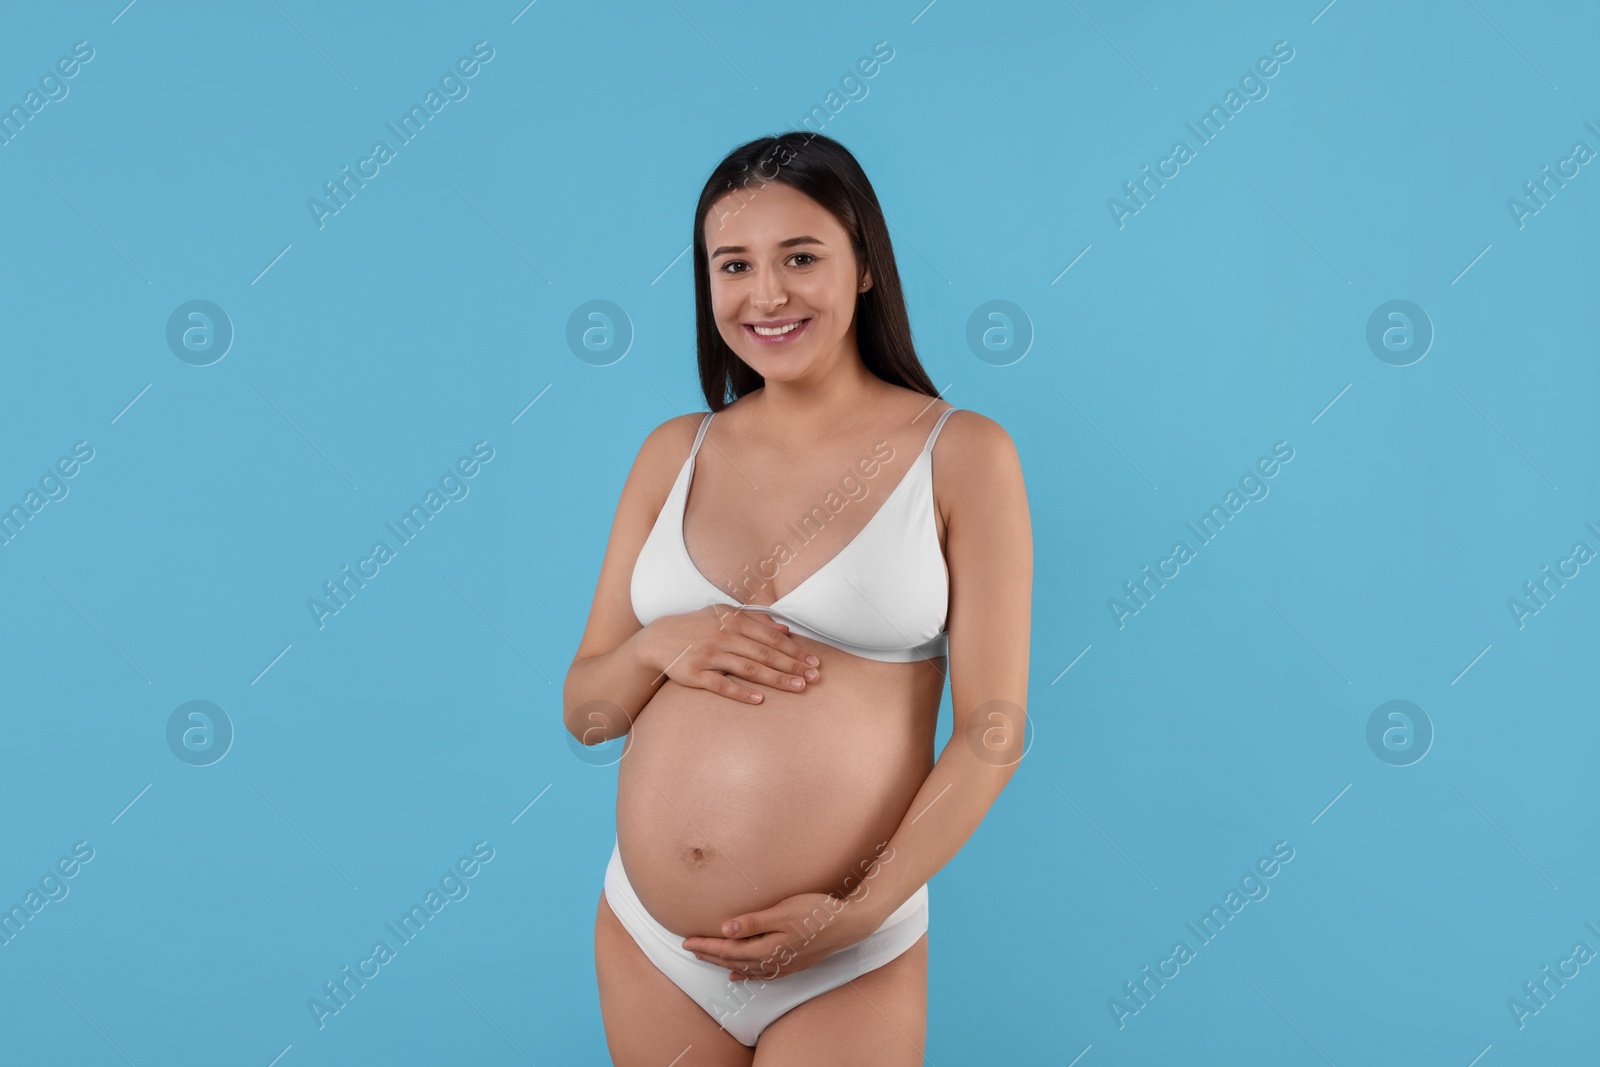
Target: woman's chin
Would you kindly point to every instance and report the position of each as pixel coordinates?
(777, 369)
(774, 371)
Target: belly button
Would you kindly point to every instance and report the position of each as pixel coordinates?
(694, 856)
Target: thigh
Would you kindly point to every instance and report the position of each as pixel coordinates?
(877, 1020)
(649, 1021)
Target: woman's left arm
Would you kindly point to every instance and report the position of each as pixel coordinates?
(989, 551)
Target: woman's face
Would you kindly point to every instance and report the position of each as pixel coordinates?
(778, 257)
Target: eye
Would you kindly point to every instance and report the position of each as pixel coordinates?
(807, 256)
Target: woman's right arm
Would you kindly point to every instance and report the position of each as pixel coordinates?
(619, 664)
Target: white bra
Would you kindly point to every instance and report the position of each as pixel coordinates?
(884, 596)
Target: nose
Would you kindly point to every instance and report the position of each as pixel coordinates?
(769, 292)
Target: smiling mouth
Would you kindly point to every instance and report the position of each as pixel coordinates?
(777, 335)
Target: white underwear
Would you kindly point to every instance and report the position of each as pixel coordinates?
(746, 1007)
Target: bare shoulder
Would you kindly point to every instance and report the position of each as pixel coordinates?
(675, 434)
(976, 468)
(662, 452)
(972, 444)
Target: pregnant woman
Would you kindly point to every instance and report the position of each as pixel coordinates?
(789, 579)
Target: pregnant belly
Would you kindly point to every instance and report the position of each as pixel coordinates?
(724, 808)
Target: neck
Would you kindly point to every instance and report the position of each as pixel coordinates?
(806, 410)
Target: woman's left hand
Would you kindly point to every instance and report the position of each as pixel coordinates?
(772, 942)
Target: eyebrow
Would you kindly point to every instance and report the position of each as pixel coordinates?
(789, 243)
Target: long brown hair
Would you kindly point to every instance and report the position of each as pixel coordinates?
(824, 170)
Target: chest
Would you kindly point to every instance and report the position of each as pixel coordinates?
(760, 527)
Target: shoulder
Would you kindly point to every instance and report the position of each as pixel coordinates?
(674, 435)
(663, 451)
(976, 467)
(971, 440)
(969, 432)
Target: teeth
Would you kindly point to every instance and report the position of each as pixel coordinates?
(778, 331)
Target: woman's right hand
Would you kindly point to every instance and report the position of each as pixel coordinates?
(709, 648)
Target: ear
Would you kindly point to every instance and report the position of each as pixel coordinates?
(866, 281)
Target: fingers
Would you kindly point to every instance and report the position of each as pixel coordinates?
(750, 648)
(763, 970)
(756, 662)
(755, 961)
(717, 682)
(737, 951)
(770, 631)
(789, 656)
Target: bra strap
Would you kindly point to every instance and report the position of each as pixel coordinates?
(705, 422)
(936, 428)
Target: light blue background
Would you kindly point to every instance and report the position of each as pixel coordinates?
(429, 313)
